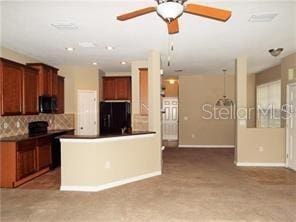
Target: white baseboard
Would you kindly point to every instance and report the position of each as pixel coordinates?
(206, 146)
(261, 164)
(109, 185)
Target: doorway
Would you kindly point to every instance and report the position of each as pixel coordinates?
(170, 118)
(291, 127)
(87, 112)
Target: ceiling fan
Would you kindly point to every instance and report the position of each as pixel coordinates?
(170, 10)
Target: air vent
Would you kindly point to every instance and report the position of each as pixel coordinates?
(267, 17)
(65, 26)
(87, 44)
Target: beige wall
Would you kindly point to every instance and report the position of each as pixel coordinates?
(118, 74)
(78, 78)
(15, 56)
(255, 146)
(171, 90)
(261, 145)
(194, 92)
(269, 75)
(84, 161)
(251, 100)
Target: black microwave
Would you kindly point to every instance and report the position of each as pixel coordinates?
(47, 104)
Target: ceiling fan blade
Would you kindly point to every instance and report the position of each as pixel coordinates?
(173, 26)
(209, 12)
(136, 13)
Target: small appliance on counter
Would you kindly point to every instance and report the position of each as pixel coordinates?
(37, 128)
(47, 104)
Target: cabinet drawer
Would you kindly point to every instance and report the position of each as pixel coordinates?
(44, 140)
(26, 145)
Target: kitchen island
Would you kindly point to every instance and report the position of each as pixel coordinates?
(94, 163)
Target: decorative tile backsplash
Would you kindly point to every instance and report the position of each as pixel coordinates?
(18, 125)
(140, 122)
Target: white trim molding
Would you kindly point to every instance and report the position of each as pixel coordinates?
(106, 139)
(109, 185)
(206, 146)
(246, 164)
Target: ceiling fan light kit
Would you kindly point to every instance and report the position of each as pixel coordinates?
(170, 10)
(276, 51)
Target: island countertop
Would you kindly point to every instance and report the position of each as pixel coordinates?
(134, 133)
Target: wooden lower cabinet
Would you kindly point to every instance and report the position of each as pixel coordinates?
(43, 153)
(25, 159)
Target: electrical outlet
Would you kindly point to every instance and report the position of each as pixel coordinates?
(261, 149)
(5, 125)
(107, 165)
(18, 124)
(185, 118)
(192, 135)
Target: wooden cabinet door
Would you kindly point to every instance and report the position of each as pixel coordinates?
(30, 91)
(143, 91)
(11, 75)
(46, 82)
(54, 82)
(25, 159)
(109, 88)
(43, 152)
(123, 88)
(60, 94)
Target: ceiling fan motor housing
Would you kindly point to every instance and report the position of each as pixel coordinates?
(170, 9)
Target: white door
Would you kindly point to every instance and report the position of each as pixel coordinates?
(87, 112)
(170, 118)
(291, 128)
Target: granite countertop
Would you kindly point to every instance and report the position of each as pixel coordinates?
(134, 133)
(27, 137)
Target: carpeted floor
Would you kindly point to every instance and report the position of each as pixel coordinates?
(197, 185)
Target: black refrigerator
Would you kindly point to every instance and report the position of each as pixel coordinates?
(114, 116)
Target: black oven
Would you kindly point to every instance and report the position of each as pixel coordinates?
(47, 104)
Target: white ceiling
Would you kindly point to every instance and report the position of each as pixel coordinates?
(203, 46)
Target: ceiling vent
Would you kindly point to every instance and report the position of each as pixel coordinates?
(87, 44)
(65, 26)
(267, 17)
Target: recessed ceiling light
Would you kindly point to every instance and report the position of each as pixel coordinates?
(87, 44)
(95, 63)
(123, 63)
(70, 49)
(172, 81)
(267, 17)
(110, 48)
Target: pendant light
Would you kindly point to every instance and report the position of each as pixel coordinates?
(224, 101)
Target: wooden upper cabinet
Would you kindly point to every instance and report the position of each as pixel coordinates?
(109, 88)
(143, 72)
(54, 82)
(60, 94)
(123, 88)
(47, 79)
(11, 80)
(30, 91)
(117, 88)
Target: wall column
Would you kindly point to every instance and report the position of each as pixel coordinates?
(241, 101)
